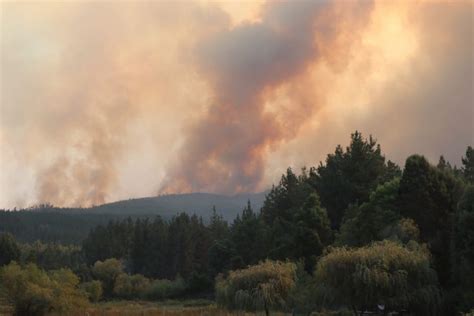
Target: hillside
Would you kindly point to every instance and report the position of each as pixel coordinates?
(200, 204)
(71, 225)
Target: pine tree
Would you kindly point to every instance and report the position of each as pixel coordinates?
(468, 165)
(349, 176)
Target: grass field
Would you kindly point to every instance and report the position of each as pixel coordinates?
(163, 308)
(168, 308)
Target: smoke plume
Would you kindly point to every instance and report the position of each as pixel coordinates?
(101, 101)
(226, 149)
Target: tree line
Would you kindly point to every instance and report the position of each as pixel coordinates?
(356, 231)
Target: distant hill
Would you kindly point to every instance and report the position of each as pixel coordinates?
(71, 225)
(200, 204)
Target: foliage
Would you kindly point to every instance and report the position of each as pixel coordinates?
(468, 165)
(93, 289)
(307, 295)
(32, 291)
(298, 227)
(404, 231)
(463, 251)
(429, 196)
(382, 273)
(9, 249)
(107, 272)
(223, 257)
(349, 176)
(50, 224)
(110, 241)
(363, 197)
(266, 286)
(164, 289)
(248, 236)
(131, 286)
(51, 256)
(367, 222)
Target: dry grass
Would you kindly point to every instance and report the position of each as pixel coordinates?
(167, 308)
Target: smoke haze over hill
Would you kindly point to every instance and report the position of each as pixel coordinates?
(102, 101)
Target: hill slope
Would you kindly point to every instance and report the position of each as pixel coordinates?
(71, 225)
(200, 204)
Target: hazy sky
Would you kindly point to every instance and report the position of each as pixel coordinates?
(106, 100)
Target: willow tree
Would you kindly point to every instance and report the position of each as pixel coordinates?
(385, 274)
(33, 291)
(264, 286)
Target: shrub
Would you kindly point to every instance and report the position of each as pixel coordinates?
(93, 289)
(32, 291)
(131, 286)
(383, 273)
(263, 286)
(163, 289)
(107, 272)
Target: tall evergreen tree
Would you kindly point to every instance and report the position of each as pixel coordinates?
(463, 251)
(9, 249)
(366, 223)
(429, 196)
(218, 227)
(349, 176)
(468, 165)
(247, 234)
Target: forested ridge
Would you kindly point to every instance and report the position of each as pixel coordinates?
(355, 233)
(48, 223)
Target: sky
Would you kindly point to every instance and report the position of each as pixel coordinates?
(107, 100)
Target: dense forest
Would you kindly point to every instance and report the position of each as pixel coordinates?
(48, 223)
(356, 233)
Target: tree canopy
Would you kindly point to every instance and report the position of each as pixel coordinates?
(264, 286)
(384, 273)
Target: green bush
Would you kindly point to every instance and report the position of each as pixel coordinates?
(163, 289)
(93, 289)
(264, 286)
(32, 291)
(383, 273)
(107, 272)
(131, 286)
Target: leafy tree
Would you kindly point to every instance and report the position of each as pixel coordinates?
(429, 196)
(468, 165)
(32, 291)
(9, 249)
(403, 231)
(51, 256)
(308, 295)
(164, 289)
(383, 273)
(107, 272)
(368, 222)
(349, 176)
(93, 289)
(265, 286)
(131, 286)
